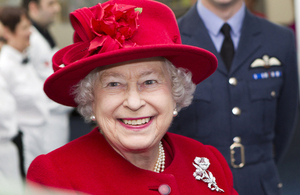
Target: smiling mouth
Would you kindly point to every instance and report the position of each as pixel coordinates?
(136, 122)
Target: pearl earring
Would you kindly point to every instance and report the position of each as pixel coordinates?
(175, 113)
(93, 118)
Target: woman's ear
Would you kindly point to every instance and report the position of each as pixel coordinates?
(174, 104)
(6, 32)
(93, 106)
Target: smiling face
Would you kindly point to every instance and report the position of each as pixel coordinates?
(133, 104)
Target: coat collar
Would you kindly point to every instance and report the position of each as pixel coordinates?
(99, 168)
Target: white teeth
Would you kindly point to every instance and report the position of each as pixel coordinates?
(136, 122)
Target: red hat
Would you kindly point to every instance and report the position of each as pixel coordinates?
(118, 31)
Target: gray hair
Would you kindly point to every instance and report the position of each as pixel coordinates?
(182, 89)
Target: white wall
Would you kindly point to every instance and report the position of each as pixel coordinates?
(62, 33)
(279, 11)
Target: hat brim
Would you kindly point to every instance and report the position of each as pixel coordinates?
(201, 63)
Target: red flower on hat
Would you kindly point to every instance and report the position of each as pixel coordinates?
(113, 25)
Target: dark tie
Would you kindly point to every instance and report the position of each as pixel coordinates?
(227, 50)
(25, 60)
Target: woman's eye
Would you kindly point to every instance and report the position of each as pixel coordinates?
(113, 84)
(150, 82)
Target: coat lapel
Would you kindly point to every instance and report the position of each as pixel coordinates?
(250, 41)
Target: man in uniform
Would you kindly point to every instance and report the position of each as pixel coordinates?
(247, 108)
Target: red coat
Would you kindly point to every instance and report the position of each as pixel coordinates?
(89, 164)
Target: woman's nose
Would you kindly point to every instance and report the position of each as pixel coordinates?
(133, 99)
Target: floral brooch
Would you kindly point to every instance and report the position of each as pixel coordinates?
(201, 173)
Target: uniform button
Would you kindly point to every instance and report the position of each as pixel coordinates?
(233, 81)
(273, 94)
(236, 111)
(164, 189)
(280, 185)
(237, 140)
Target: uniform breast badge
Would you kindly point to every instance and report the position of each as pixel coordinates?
(201, 173)
(265, 62)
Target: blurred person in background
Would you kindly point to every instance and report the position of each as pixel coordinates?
(42, 14)
(11, 164)
(11, 146)
(253, 93)
(22, 99)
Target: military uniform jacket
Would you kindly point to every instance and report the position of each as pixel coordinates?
(90, 165)
(254, 101)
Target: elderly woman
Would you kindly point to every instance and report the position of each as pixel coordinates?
(129, 72)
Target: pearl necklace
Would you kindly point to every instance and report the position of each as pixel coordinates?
(160, 163)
